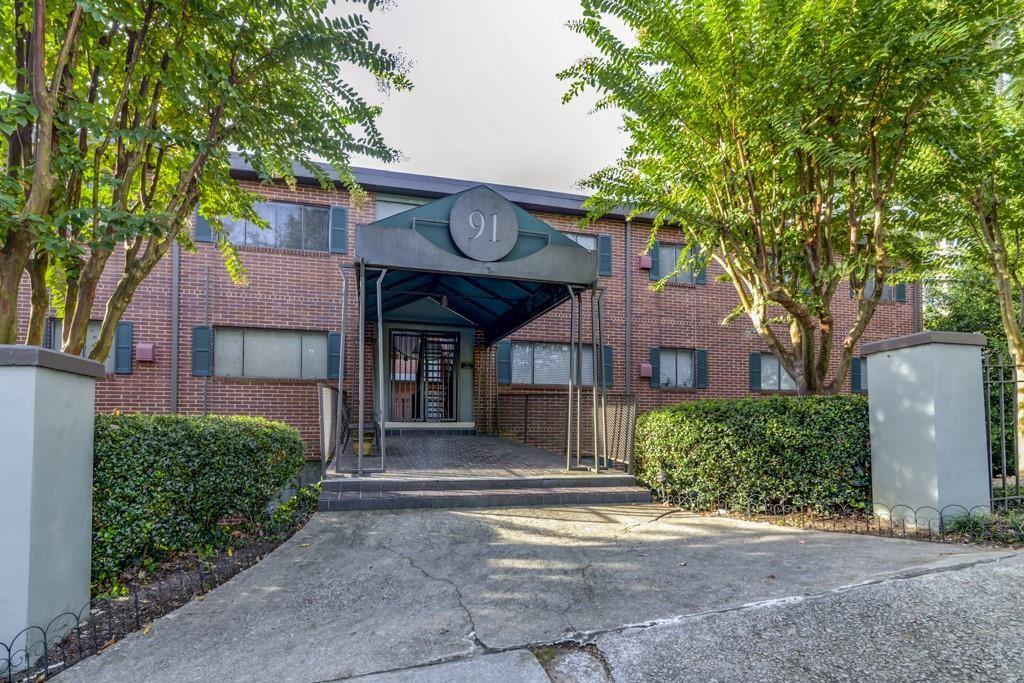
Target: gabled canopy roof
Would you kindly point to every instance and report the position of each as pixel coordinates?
(422, 259)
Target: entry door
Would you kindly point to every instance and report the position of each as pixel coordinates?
(423, 376)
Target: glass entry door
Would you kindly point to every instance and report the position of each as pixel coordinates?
(423, 376)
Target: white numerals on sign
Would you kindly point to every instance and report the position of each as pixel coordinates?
(483, 224)
(478, 221)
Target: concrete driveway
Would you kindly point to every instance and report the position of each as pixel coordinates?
(479, 595)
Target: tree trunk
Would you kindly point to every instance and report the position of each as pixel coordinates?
(13, 258)
(40, 299)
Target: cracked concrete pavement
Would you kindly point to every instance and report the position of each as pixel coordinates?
(444, 595)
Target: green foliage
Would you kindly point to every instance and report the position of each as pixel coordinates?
(297, 508)
(163, 483)
(145, 102)
(760, 451)
(774, 134)
(964, 300)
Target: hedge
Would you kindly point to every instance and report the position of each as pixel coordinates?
(163, 483)
(761, 451)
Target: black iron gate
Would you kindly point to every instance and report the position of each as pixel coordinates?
(423, 378)
(1002, 381)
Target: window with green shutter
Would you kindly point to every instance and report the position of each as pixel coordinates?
(55, 331)
(679, 368)
(543, 363)
(680, 260)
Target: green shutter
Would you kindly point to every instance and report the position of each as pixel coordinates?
(123, 348)
(339, 230)
(655, 368)
(755, 371)
(700, 367)
(654, 271)
(700, 277)
(204, 231)
(855, 376)
(333, 355)
(202, 351)
(901, 291)
(606, 357)
(604, 255)
(504, 362)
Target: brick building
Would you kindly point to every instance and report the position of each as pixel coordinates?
(193, 342)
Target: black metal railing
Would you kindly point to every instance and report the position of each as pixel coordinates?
(1003, 385)
(951, 524)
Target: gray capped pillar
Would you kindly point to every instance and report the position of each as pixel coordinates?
(47, 409)
(929, 454)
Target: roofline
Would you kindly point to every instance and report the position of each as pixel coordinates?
(433, 187)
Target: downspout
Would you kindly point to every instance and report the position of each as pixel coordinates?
(175, 322)
(628, 374)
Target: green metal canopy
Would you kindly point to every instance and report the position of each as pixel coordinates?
(478, 255)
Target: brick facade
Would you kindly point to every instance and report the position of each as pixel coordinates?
(298, 290)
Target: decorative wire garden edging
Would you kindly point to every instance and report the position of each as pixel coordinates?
(40, 652)
(951, 524)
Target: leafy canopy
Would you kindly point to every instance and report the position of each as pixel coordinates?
(774, 134)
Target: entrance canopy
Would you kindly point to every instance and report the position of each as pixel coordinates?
(476, 254)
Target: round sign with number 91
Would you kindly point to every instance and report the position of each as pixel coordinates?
(483, 225)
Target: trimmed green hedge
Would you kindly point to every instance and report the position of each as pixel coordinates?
(812, 450)
(162, 483)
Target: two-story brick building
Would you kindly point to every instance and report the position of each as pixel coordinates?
(474, 349)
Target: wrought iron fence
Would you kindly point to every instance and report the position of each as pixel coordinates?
(40, 652)
(1004, 391)
(951, 524)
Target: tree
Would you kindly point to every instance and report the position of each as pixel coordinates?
(972, 163)
(774, 135)
(118, 116)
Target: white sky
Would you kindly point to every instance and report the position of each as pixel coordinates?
(486, 103)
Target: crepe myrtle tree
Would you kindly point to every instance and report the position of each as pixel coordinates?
(972, 163)
(117, 116)
(774, 135)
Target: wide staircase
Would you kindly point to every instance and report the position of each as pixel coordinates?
(386, 493)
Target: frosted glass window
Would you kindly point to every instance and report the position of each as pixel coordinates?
(544, 363)
(92, 335)
(675, 367)
(387, 205)
(588, 242)
(272, 354)
(227, 352)
(668, 260)
(314, 355)
(773, 376)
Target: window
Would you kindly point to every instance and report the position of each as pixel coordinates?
(92, 334)
(676, 368)
(275, 354)
(773, 376)
(389, 204)
(541, 363)
(290, 226)
(588, 242)
(669, 256)
(890, 291)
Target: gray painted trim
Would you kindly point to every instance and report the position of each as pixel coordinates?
(922, 338)
(18, 355)
(433, 187)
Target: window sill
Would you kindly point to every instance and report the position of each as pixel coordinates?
(679, 390)
(775, 392)
(291, 252)
(270, 380)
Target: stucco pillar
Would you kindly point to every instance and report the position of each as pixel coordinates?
(47, 404)
(929, 457)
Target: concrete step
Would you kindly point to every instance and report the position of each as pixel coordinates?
(491, 497)
(379, 484)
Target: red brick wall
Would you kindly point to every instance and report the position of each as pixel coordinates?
(302, 291)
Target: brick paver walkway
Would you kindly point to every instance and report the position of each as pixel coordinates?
(463, 456)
